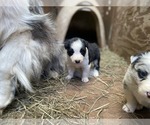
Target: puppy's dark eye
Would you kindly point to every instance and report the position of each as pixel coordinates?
(142, 74)
(83, 51)
(70, 52)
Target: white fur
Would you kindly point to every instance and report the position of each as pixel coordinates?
(83, 65)
(84, 62)
(135, 88)
(76, 46)
(94, 72)
(22, 58)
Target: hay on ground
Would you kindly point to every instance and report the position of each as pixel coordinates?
(48, 101)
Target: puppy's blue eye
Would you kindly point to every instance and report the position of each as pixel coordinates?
(142, 74)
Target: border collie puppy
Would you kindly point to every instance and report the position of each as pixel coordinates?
(136, 83)
(28, 47)
(81, 54)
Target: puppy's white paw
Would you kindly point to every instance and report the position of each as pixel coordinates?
(54, 75)
(128, 108)
(68, 77)
(95, 73)
(85, 79)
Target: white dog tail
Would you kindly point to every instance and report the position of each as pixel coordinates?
(22, 78)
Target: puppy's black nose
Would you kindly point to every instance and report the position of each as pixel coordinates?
(77, 61)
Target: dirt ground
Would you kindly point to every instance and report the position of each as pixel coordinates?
(102, 97)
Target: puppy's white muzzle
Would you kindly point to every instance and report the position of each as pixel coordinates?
(144, 89)
(77, 59)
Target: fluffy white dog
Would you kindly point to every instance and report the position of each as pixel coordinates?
(137, 83)
(28, 47)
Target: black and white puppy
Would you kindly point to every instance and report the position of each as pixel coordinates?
(136, 83)
(81, 54)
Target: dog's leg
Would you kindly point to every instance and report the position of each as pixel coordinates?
(131, 104)
(85, 73)
(7, 91)
(95, 71)
(71, 71)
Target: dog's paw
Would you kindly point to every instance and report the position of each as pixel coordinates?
(95, 73)
(128, 108)
(68, 77)
(85, 79)
(54, 75)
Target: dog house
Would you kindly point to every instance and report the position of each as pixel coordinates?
(81, 19)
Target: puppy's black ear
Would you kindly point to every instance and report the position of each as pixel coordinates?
(86, 43)
(134, 60)
(66, 44)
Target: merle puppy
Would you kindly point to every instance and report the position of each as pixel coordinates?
(81, 54)
(137, 83)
